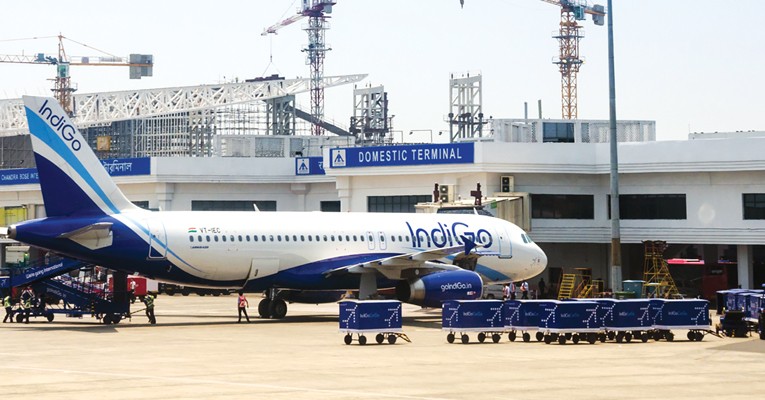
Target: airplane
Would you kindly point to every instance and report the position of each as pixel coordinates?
(290, 256)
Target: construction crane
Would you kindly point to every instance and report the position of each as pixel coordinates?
(569, 36)
(140, 65)
(316, 11)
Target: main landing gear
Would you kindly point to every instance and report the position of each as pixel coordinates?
(272, 306)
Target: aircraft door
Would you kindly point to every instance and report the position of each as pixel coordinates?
(370, 240)
(157, 240)
(505, 244)
(383, 244)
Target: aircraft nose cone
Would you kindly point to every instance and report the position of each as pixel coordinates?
(540, 261)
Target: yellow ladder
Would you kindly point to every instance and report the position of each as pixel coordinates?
(566, 286)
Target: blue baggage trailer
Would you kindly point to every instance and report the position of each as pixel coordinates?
(569, 320)
(755, 308)
(522, 316)
(690, 314)
(625, 319)
(382, 317)
(482, 316)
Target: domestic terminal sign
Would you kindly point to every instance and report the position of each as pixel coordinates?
(387, 156)
(309, 166)
(115, 167)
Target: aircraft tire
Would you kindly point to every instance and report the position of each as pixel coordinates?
(278, 309)
(263, 308)
(107, 319)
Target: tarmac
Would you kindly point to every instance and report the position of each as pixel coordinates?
(197, 350)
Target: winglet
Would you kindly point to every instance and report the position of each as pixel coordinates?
(72, 179)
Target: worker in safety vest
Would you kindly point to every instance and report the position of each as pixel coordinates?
(243, 304)
(8, 308)
(27, 297)
(149, 301)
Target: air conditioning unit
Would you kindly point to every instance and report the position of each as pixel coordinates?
(446, 193)
(506, 184)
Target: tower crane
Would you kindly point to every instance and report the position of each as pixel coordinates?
(140, 65)
(569, 35)
(316, 11)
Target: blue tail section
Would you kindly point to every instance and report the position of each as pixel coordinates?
(72, 179)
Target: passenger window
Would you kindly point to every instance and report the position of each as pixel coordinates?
(339, 238)
(223, 237)
(199, 238)
(279, 238)
(392, 238)
(347, 238)
(310, 238)
(191, 238)
(317, 238)
(247, 237)
(302, 238)
(406, 237)
(399, 238)
(271, 237)
(232, 238)
(382, 238)
(254, 238)
(325, 238)
(240, 238)
(215, 237)
(371, 239)
(286, 238)
(354, 238)
(208, 238)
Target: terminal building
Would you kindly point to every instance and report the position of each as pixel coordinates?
(704, 196)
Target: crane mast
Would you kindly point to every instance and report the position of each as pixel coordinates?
(316, 11)
(569, 36)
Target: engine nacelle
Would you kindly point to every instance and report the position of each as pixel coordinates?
(432, 289)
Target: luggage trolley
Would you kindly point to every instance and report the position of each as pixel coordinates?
(482, 316)
(569, 320)
(522, 316)
(691, 314)
(382, 317)
(624, 319)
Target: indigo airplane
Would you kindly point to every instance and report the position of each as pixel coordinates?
(290, 256)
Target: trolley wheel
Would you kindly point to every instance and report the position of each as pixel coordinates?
(562, 339)
(107, 319)
(362, 340)
(49, 316)
(729, 332)
(496, 337)
(19, 318)
(481, 337)
(540, 336)
(691, 336)
(465, 338)
(450, 338)
(548, 339)
(644, 338)
(592, 338)
(575, 338)
(348, 338)
(670, 336)
(512, 335)
(554, 336)
(699, 336)
(611, 335)
(637, 335)
(568, 336)
(628, 337)
(619, 337)
(379, 338)
(602, 337)
(392, 339)
(526, 337)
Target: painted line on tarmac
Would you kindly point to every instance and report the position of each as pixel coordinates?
(195, 380)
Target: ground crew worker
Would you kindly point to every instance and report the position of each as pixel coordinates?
(512, 290)
(525, 290)
(149, 301)
(8, 308)
(243, 303)
(26, 303)
(133, 285)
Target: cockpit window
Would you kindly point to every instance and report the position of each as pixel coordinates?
(526, 238)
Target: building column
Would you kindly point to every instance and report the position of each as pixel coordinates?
(343, 186)
(745, 271)
(165, 194)
(300, 190)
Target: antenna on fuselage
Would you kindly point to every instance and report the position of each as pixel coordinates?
(255, 206)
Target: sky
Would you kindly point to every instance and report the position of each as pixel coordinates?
(689, 65)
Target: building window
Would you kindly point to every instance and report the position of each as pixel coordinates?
(330, 206)
(558, 132)
(563, 206)
(232, 205)
(395, 204)
(650, 206)
(754, 205)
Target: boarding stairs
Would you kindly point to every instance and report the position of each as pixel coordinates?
(567, 283)
(39, 271)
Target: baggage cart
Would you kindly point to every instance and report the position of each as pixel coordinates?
(522, 316)
(624, 319)
(690, 314)
(459, 317)
(569, 320)
(380, 317)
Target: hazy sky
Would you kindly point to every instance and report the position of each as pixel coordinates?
(690, 65)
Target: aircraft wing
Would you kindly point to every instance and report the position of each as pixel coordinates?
(409, 265)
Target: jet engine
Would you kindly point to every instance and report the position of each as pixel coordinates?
(430, 290)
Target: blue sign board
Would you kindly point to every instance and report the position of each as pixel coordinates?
(386, 156)
(309, 166)
(115, 167)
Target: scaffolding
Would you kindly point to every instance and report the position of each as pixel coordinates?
(658, 280)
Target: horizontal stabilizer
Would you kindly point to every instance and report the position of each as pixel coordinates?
(95, 236)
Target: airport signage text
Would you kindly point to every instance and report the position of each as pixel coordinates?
(386, 156)
(309, 166)
(115, 167)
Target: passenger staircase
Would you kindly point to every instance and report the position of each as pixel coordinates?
(39, 271)
(566, 290)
